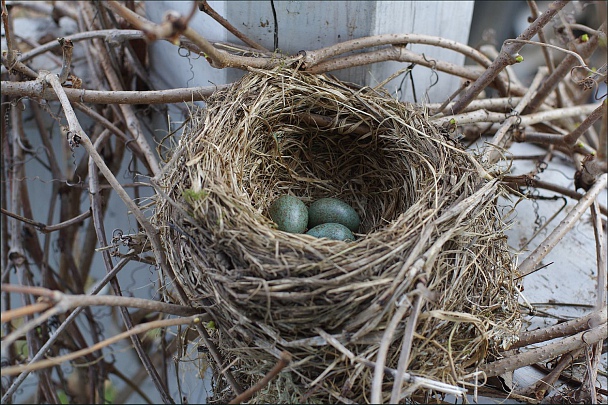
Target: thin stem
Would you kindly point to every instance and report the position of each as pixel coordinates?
(385, 343)
(525, 180)
(406, 347)
(565, 66)
(49, 228)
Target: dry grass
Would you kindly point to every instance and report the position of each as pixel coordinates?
(428, 215)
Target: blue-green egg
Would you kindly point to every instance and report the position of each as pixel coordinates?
(332, 230)
(332, 210)
(290, 214)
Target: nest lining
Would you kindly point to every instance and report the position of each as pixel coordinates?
(426, 215)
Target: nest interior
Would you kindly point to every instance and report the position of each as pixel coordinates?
(430, 227)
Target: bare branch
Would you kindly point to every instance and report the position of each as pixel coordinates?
(36, 89)
(507, 56)
(165, 323)
(530, 263)
(206, 8)
(545, 352)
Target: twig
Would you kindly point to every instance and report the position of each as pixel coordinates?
(561, 71)
(545, 352)
(49, 228)
(204, 6)
(314, 58)
(17, 66)
(525, 180)
(524, 120)
(500, 139)
(174, 26)
(600, 248)
(573, 136)
(11, 314)
(114, 80)
(179, 95)
(394, 53)
(546, 383)
(51, 340)
(586, 29)
(507, 56)
(452, 96)
(11, 53)
(561, 329)
(68, 49)
(165, 323)
(283, 362)
(528, 265)
(96, 208)
(574, 54)
(65, 302)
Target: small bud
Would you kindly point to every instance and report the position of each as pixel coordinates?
(584, 37)
(519, 58)
(453, 121)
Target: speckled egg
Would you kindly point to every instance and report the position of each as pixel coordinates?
(332, 210)
(331, 231)
(290, 214)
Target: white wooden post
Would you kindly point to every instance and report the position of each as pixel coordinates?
(309, 25)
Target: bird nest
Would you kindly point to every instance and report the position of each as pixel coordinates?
(431, 232)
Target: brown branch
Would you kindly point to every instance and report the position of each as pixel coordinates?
(545, 384)
(204, 6)
(283, 362)
(545, 352)
(51, 340)
(11, 53)
(11, 314)
(507, 56)
(174, 25)
(573, 136)
(549, 62)
(572, 327)
(18, 67)
(165, 323)
(565, 66)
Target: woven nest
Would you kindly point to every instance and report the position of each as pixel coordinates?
(430, 226)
